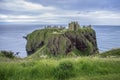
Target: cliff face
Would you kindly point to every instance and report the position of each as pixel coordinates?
(62, 42)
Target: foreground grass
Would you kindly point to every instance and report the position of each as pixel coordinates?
(79, 68)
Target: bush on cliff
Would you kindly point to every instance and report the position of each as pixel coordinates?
(8, 54)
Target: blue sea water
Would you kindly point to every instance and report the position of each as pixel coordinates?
(11, 37)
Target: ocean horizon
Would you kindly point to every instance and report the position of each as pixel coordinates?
(11, 36)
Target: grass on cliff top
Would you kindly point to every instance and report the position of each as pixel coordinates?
(76, 68)
(34, 38)
(111, 53)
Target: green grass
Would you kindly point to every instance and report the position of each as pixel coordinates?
(75, 68)
(111, 53)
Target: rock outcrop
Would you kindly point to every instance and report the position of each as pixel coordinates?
(62, 41)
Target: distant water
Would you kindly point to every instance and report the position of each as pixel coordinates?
(108, 37)
(11, 37)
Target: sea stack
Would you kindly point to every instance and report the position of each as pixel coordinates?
(56, 41)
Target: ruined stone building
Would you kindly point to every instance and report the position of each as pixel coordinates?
(74, 26)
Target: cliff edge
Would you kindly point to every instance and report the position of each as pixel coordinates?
(56, 41)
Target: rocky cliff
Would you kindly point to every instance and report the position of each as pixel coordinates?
(57, 41)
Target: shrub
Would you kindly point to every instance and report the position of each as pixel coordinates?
(64, 70)
(8, 54)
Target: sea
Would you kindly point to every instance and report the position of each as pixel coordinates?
(11, 37)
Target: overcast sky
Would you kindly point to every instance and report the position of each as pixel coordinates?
(104, 12)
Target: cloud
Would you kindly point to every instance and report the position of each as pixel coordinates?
(59, 11)
(94, 17)
(23, 5)
(82, 5)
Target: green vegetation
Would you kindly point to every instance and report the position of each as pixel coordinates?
(8, 54)
(111, 53)
(61, 68)
(74, 68)
(39, 38)
(64, 70)
(57, 42)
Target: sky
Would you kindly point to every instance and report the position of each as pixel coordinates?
(95, 12)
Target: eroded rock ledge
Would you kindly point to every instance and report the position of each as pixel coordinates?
(60, 41)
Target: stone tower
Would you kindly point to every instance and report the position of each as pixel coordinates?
(74, 26)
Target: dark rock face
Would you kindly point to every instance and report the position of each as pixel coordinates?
(81, 40)
(57, 42)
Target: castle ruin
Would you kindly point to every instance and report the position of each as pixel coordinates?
(74, 26)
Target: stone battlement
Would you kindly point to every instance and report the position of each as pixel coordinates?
(73, 26)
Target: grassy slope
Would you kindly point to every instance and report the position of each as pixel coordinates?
(69, 68)
(111, 53)
(37, 36)
(79, 68)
